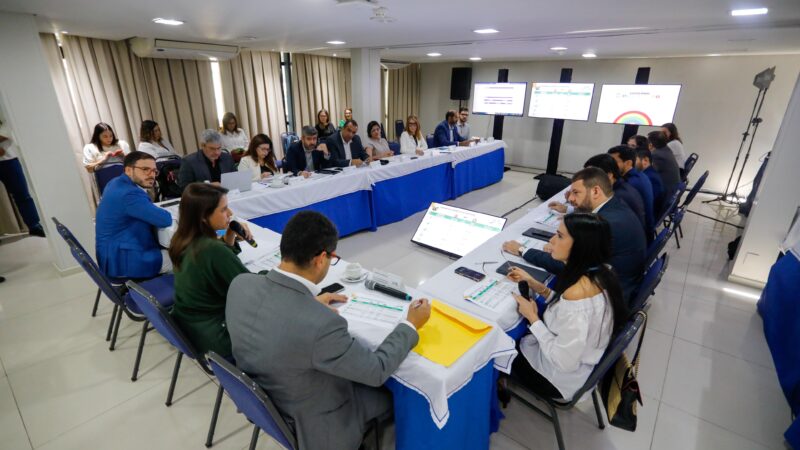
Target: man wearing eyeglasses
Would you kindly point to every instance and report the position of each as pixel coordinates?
(125, 227)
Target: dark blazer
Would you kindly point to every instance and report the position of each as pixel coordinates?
(336, 148)
(194, 168)
(628, 246)
(631, 197)
(296, 159)
(658, 189)
(639, 181)
(325, 382)
(125, 224)
(441, 135)
(324, 132)
(664, 163)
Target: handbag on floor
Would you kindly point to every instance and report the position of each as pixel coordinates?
(620, 389)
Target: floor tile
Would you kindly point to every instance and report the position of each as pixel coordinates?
(676, 429)
(654, 358)
(12, 430)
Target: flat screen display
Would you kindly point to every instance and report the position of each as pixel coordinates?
(455, 231)
(501, 99)
(570, 101)
(638, 104)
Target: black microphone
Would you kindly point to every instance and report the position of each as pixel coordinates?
(375, 286)
(237, 228)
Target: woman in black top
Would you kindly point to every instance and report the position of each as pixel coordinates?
(324, 126)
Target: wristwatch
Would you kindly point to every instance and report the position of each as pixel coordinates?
(522, 251)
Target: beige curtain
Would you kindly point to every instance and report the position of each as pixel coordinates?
(404, 88)
(320, 82)
(251, 89)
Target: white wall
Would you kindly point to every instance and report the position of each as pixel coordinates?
(775, 203)
(35, 117)
(715, 104)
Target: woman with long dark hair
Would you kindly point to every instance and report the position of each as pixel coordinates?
(104, 148)
(152, 142)
(675, 143)
(377, 147)
(583, 310)
(204, 266)
(260, 158)
(233, 137)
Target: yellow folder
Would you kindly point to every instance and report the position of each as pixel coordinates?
(448, 334)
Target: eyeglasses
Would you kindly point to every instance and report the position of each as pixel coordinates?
(147, 170)
(334, 258)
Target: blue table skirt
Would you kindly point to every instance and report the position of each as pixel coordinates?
(401, 197)
(478, 172)
(350, 213)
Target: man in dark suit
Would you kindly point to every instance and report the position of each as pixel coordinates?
(664, 162)
(591, 191)
(206, 164)
(643, 165)
(625, 157)
(622, 189)
(327, 384)
(303, 157)
(446, 133)
(345, 147)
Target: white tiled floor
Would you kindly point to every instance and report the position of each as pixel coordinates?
(708, 379)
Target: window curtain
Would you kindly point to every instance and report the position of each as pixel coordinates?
(403, 97)
(251, 89)
(320, 82)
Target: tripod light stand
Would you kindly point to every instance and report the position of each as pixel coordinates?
(762, 81)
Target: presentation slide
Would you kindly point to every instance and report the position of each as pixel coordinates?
(570, 101)
(455, 231)
(502, 99)
(638, 104)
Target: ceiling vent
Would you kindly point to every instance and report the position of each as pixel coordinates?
(163, 48)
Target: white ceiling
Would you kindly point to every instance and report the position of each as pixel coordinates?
(528, 28)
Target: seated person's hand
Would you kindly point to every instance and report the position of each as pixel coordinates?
(327, 298)
(512, 247)
(557, 206)
(246, 230)
(547, 248)
(419, 312)
(305, 174)
(527, 308)
(357, 162)
(265, 175)
(420, 152)
(323, 148)
(516, 275)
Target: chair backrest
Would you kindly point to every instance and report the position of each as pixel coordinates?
(695, 189)
(619, 342)
(672, 202)
(658, 244)
(287, 138)
(107, 173)
(429, 140)
(651, 279)
(252, 401)
(162, 321)
(689, 164)
(399, 127)
(394, 147)
(66, 234)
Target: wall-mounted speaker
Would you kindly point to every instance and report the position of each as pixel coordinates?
(460, 83)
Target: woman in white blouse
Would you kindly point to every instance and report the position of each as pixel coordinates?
(412, 141)
(233, 137)
(260, 158)
(104, 148)
(376, 146)
(583, 310)
(675, 143)
(152, 142)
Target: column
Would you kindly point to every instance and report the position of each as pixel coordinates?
(365, 75)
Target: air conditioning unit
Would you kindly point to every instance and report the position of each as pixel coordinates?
(389, 64)
(163, 48)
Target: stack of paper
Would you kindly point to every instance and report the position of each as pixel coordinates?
(490, 293)
(375, 311)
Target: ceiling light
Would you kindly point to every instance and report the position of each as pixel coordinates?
(607, 30)
(589, 55)
(334, 54)
(713, 54)
(212, 58)
(486, 31)
(173, 22)
(336, 42)
(434, 54)
(750, 12)
(558, 49)
(475, 58)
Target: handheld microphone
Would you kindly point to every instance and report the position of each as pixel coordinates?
(237, 228)
(375, 286)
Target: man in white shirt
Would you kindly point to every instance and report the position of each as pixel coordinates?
(12, 176)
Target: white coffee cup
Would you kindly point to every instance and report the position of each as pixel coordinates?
(276, 182)
(353, 271)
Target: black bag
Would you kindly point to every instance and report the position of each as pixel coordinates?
(550, 185)
(167, 179)
(620, 389)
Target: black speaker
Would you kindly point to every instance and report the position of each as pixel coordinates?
(460, 83)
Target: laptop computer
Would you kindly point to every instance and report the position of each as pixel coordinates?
(237, 180)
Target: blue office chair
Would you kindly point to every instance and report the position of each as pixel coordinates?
(253, 402)
(658, 244)
(399, 127)
(287, 138)
(107, 173)
(652, 278)
(618, 344)
(671, 204)
(155, 314)
(71, 241)
(394, 147)
(689, 164)
(429, 140)
(694, 190)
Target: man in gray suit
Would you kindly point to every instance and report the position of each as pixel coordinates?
(325, 383)
(208, 163)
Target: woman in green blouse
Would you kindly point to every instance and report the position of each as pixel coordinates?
(204, 266)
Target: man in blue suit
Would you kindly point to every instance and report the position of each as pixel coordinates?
(446, 132)
(591, 191)
(643, 165)
(125, 227)
(622, 189)
(344, 147)
(625, 158)
(303, 157)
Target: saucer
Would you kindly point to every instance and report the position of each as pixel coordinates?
(276, 187)
(355, 280)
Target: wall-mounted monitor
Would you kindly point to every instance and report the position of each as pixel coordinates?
(638, 104)
(501, 99)
(570, 101)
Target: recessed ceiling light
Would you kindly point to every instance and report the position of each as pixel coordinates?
(334, 54)
(212, 58)
(486, 31)
(336, 42)
(558, 49)
(750, 12)
(434, 54)
(713, 54)
(589, 55)
(162, 21)
(475, 58)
